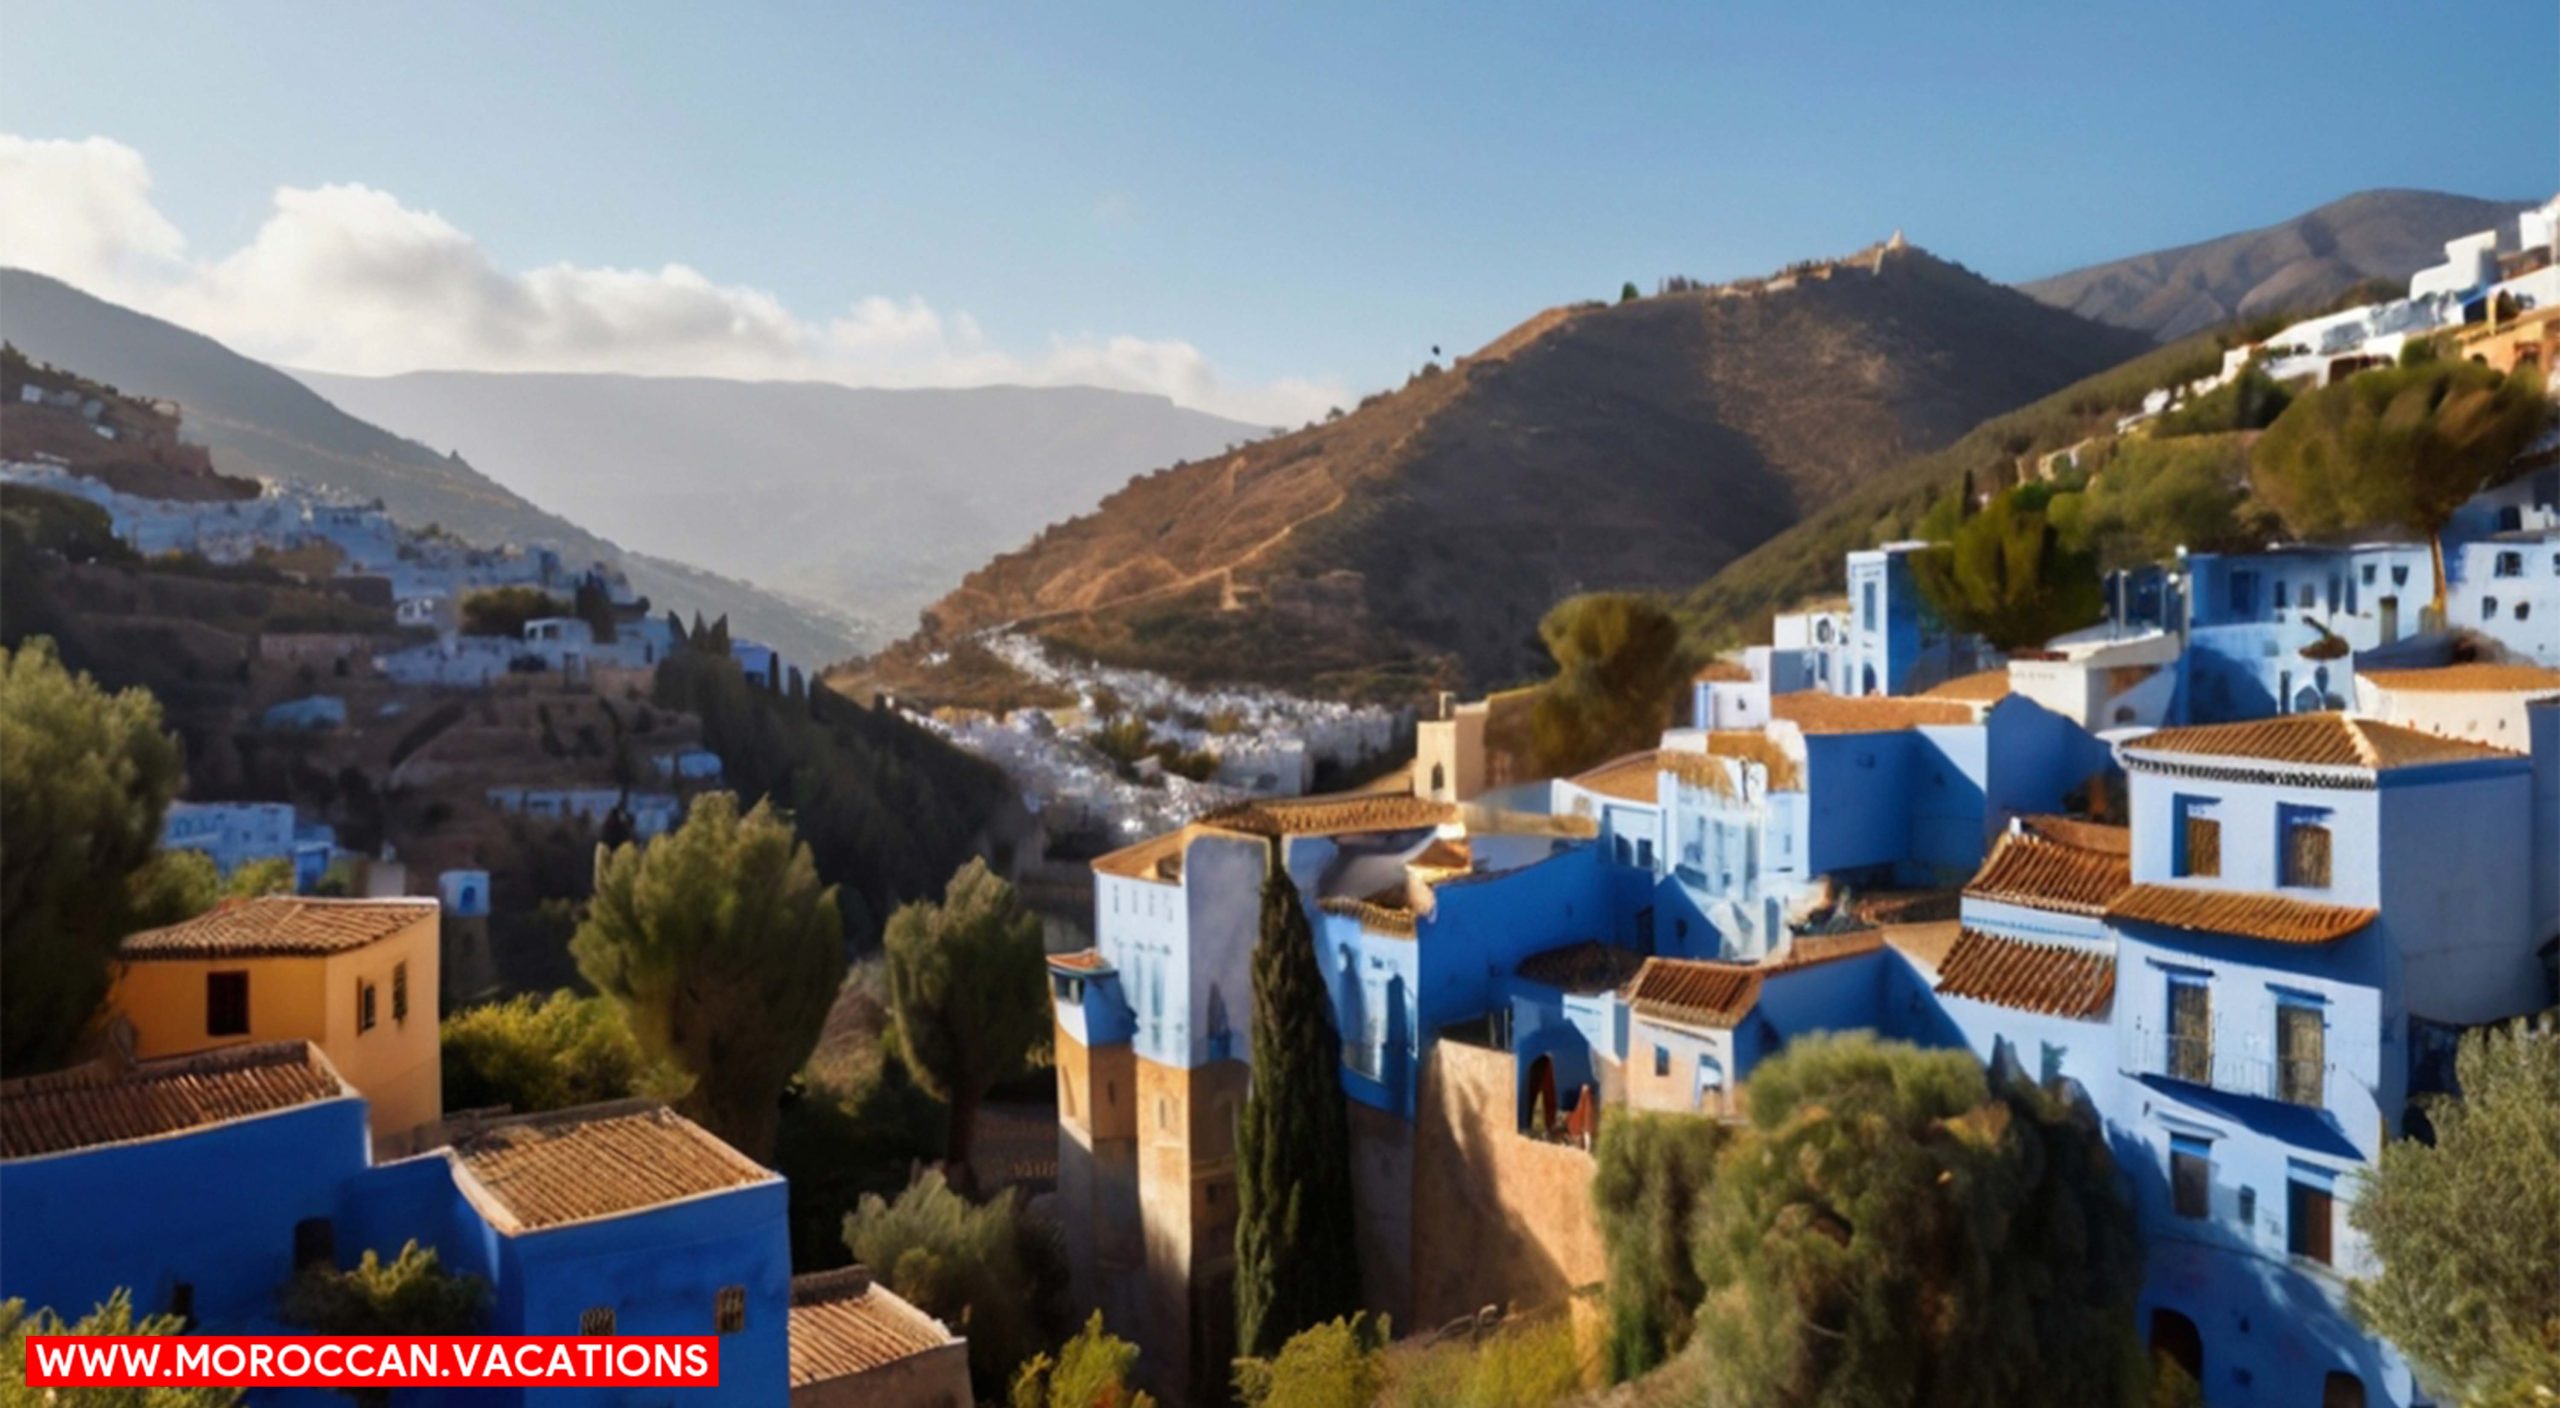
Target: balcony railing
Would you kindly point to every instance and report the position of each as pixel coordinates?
(2242, 1067)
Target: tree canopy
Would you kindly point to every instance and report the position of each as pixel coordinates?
(1892, 1230)
(540, 1053)
(1653, 1171)
(2467, 1229)
(2395, 447)
(982, 1266)
(2008, 576)
(1090, 1371)
(503, 611)
(1620, 668)
(1297, 1253)
(113, 1318)
(85, 779)
(968, 994)
(724, 952)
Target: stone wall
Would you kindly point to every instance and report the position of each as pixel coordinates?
(1498, 1218)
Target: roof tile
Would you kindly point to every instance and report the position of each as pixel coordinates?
(278, 926)
(597, 1161)
(1637, 777)
(2315, 740)
(2476, 678)
(1714, 993)
(94, 1105)
(1332, 816)
(2053, 979)
(1813, 711)
(1591, 966)
(2247, 913)
(2035, 870)
(842, 1324)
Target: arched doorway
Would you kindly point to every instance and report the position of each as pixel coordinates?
(2176, 1340)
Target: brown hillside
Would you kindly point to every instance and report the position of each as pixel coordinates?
(1637, 445)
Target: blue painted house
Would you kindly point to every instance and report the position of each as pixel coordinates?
(1896, 643)
(215, 1177)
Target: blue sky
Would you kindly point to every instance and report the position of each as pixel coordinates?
(1301, 197)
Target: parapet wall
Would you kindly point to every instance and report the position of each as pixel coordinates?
(1498, 1217)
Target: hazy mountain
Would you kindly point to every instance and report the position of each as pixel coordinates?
(2300, 265)
(258, 421)
(876, 501)
(1639, 444)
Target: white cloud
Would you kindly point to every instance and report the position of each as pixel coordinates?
(345, 278)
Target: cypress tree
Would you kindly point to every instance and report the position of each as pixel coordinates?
(1297, 1260)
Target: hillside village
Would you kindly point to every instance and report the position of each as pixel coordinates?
(2230, 873)
(2234, 892)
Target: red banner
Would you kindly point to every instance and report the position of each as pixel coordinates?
(357, 1361)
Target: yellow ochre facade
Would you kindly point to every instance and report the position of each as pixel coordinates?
(357, 978)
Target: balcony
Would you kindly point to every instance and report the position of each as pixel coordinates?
(2250, 1067)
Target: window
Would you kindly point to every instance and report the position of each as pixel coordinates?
(2400, 575)
(2248, 1207)
(2309, 1213)
(729, 1310)
(596, 1320)
(2190, 1054)
(2488, 608)
(2341, 1389)
(2281, 596)
(2191, 1176)
(2306, 848)
(226, 1004)
(1662, 1060)
(2510, 564)
(2199, 838)
(400, 992)
(2368, 574)
(315, 1243)
(364, 1005)
(1867, 606)
(2244, 593)
(2302, 1065)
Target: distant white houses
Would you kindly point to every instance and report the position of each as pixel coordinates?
(233, 834)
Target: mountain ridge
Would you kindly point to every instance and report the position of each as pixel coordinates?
(257, 420)
(1416, 541)
(2297, 265)
(874, 500)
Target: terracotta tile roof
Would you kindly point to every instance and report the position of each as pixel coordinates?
(1712, 993)
(1633, 778)
(94, 1105)
(1587, 967)
(2478, 678)
(1332, 816)
(1813, 711)
(278, 926)
(2053, 979)
(1157, 858)
(1394, 921)
(1697, 991)
(2027, 868)
(2247, 913)
(2087, 835)
(842, 1324)
(573, 1165)
(2317, 740)
(1981, 687)
(1700, 769)
(1722, 671)
(1083, 960)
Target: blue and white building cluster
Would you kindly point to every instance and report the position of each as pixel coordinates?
(2237, 890)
